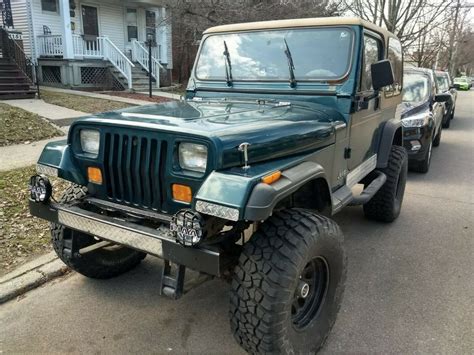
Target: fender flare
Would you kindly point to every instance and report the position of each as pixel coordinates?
(388, 138)
(264, 197)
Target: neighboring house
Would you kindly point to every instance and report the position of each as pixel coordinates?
(94, 43)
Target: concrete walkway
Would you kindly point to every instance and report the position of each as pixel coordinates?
(112, 97)
(21, 155)
(43, 109)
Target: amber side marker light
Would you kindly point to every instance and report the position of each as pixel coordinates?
(182, 193)
(270, 179)
(94, 175)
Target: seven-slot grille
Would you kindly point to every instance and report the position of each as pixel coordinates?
(132, 169)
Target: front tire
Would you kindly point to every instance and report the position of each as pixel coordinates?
(424, 165)
(102, 263)
(386, 204)
(288, 284)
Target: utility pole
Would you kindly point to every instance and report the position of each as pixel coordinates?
(452, 37)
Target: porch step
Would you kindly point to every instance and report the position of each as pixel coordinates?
(17, 94)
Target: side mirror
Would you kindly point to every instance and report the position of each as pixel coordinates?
(382, 74)
(442, 97)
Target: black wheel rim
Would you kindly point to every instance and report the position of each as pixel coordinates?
(310, 292)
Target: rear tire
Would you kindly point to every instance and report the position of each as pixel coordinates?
(386, 204)
(99, 264)
(288, 284)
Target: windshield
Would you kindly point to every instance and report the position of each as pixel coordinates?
(317, 54)
(460, 80)
(415, 88)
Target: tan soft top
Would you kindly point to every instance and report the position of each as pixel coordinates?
(304, 22)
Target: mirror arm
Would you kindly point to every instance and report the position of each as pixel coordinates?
(362, 102)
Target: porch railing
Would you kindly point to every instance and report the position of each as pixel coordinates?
(96, 48)
(12, 50)
(50, 45)
(141, 56)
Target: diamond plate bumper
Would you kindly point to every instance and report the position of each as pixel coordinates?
(157, 242)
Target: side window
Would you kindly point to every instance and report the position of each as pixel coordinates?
(395, 56)
(372, 54)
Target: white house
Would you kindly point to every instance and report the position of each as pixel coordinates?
(92, 43)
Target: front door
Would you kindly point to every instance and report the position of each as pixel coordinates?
(365, 122)
(90, 21)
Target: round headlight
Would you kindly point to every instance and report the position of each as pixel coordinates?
(40, 188)
(90, 141)
(193, 157)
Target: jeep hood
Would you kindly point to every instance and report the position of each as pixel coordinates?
(273, 130)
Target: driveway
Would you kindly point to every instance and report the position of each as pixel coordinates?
(410, 284)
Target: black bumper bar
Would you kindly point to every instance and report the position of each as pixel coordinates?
(158, 242)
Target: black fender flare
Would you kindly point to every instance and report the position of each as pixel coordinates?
(264, 197)
(391, 134)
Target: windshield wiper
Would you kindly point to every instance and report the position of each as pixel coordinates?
(291, 66)
(228, 65)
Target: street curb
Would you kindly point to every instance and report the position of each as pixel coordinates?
(30, 276)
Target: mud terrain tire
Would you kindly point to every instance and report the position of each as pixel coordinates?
(99, 264)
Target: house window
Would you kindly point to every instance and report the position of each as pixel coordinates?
(150, 23)
(372, 54)
(131, 20)
(49, 5)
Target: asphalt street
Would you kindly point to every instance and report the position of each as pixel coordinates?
(410, 284)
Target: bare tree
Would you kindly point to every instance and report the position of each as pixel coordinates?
(408, 19)
(191, 18)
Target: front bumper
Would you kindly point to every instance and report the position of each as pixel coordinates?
(158, 242)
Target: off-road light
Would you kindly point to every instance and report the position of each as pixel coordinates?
(212, 209)
(40, 188)
(187, 227)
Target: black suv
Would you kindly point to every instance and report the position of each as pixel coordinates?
(445, 85)
(422, 116)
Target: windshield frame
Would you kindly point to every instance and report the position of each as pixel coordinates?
(338, 79)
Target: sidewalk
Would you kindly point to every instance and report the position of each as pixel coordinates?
(21, 155)
(112, 97)
(31, 275)
(43, 109)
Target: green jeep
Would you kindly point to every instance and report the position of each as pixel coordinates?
(240, 179)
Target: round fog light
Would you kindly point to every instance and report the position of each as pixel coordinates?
(187, 227)
(40, 188)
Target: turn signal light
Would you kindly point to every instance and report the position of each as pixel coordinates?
(94, 175)
(182, 193)
(270, 179)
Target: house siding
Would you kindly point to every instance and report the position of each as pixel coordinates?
(22, 22)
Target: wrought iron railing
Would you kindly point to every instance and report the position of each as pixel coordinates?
(12, 50)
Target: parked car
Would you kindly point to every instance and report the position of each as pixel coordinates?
(281, 120)
(422, 116)
(461, 83)
(443, 81)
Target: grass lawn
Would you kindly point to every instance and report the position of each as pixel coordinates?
(81, 103)
(22, 236)
(19, 126)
